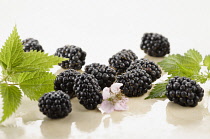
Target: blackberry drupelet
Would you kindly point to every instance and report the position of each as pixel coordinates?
(155, 45)
(184, 91)
(31, 44)
(150, 67)
(65, 82)
(55, 104)
(88, 91)
(135, 82)
(104, 74)
(75, 54)
(122, 60)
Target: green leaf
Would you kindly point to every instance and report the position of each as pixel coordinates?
(11, 53)
(202, 78)
(34, 60)
(188, 65)
(195, 55)
(3, 65)
(206, 62)
(35, 84)
(158, 91)
(11, 99)
(208, 76)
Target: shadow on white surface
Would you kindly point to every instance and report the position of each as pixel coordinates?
(85, 120)
(137, 107)
(11, 132)
(185, 116)
(154, 59)
(58, 128)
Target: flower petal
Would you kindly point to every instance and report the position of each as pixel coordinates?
(106, 107)
(106, 93)
(115, 88)
(121, 105)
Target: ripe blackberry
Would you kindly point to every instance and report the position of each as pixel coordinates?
(65, 82)
(135, 82)
(122, 60)
(150, 67)
(184, 91)
(104, 74)
(55, 104)
(75, 54)
(155, 45)
(31, 44)
(88, 91)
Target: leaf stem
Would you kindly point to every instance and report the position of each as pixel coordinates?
(13, 84)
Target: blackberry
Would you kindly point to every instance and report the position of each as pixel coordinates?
(122, 60)
(184, 91)
(135, 82)
(88, 91)
(31, 44)
(150, 67)
(65, 82)
(104, 74)
(75, 54)
(155, 45)
(55, 104)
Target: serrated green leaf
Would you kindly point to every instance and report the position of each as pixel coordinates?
(11, 52)
(200, 78)
(35, 84)
(208, 75)
(158, 91)
(195, 55)
(206, 62)
(34, 60)
(180, 65)
(11, 99)
(3, 65)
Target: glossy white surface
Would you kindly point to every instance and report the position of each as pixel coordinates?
(103, 28)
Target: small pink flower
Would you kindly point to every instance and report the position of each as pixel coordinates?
(115, 88)
(113, 99)
(106, 107)
(121, 105)
(106, 93)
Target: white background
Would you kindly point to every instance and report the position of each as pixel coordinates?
(102, 28)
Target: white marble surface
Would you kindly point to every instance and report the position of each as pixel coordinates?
(103, 28)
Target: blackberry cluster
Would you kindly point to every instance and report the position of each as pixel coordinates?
(122, 60)
(155, 45)
(75, 54)
(135, 82)
(184, 91)
(150, 67)
(55, 104)
(31, 44)
(65, 82)
(104, 74)
(88, 91)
